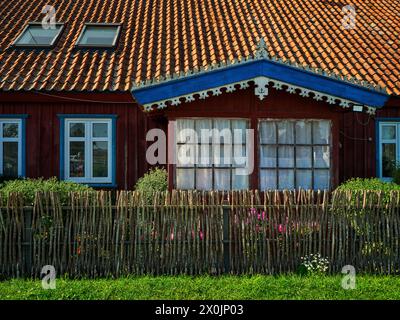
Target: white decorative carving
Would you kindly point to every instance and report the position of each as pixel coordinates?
(162, 105)
(148, 107)
(305, 93)
(262, 50)
(317, 96)
(261, 87)
(203, 95)
(344, 104)
(261, 91)
(175, 101)
(230, 88)
(189, 98)
(216, 92)
(291, 89)
(244, 85)
(371, 111)
(331, 100)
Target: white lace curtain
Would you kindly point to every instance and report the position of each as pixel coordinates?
(213, 154)
(295, 154)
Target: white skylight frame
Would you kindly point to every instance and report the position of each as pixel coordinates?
(90, 24)
(52, 44)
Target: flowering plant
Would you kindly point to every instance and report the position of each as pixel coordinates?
(314, 264)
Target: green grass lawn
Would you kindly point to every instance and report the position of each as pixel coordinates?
(225, 287)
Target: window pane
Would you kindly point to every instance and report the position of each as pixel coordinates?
(185, 131)
(100, 159)
(10, 130)
(321, 179)
(268, 132)
(204, 179)
(222, 132)
(303, 132)
(304, 179)
(286, 179)
(77, 130)
(222, 155)
(321, 157)
(100, 130)
(388, 132)
(222, 179)
(204, 130)
(239, 128)
(285, 132)
(37, 35)
(185, 179)
(77, 159)
(10, 159)
(388, 159)
(239, 156)
(268, 180)
(240, 182)
(205, 158)
(303, 157)
(186, 155)
(268, 157)
(286, 157)
(99, 35)
(321, 132)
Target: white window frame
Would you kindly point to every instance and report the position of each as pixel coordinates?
(19, 140)
(88, 139)
(295, 168)
(213, 167)
(382, 141)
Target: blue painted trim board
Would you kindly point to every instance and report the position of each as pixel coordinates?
(247, 71)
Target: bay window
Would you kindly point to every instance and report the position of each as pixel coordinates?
(295, 154)
(89, 150)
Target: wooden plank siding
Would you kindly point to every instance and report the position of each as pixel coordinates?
(43, 136)
(353, 134)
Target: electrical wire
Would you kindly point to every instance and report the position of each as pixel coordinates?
(82, 100)
(355, 139)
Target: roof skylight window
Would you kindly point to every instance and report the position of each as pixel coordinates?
(35, 35)
(99, 35)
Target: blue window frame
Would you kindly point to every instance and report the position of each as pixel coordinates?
(388, 146)
(88, 149)
(12, 145)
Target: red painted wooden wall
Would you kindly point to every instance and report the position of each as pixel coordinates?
(353, 134)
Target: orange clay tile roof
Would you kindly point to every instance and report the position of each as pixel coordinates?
(163, 37)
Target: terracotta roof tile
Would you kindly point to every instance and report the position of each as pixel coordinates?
(162, 37)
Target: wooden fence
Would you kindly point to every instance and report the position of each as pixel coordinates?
(93, 235)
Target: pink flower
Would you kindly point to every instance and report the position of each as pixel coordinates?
(201, 235)
(281, 228)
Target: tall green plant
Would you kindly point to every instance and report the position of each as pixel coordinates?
(154, 180)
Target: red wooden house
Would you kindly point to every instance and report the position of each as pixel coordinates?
(318, 83)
